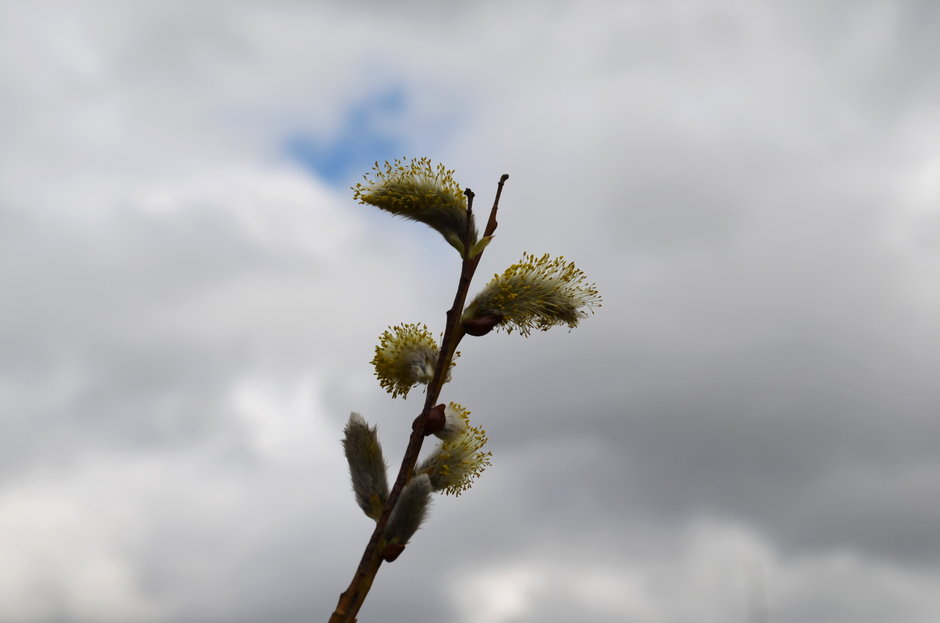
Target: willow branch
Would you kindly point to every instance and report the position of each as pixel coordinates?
(353, 597)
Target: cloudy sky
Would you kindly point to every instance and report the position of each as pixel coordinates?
(747, 431)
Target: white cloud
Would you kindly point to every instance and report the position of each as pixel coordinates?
(713, 571)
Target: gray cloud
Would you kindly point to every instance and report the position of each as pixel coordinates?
(188, 316)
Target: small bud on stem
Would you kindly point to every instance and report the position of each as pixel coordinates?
(435, 420)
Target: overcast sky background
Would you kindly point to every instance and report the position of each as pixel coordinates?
(746, 431)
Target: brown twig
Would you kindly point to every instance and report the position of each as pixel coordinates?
(351, 600)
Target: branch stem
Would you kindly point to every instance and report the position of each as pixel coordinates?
(351, 600)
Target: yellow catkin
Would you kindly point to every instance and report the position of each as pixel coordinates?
(537, 293)
(421, 191)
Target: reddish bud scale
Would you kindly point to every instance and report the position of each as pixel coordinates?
(482, 325)
(435, 420)
(392, 551)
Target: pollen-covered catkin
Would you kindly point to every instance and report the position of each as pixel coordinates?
(535, 293)
(459, 459)
(420, 191)
(405, 356)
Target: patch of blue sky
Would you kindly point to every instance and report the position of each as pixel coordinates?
(372, 131)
